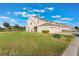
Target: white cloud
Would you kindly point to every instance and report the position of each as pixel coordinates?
(29, 15)
(3, 17)
(66, 19)
(20, 13)
(7, 19)
(56, 16)
(8, 12)
(30, 11)
(42, 16)
(39, 10)
(24, 8)
(50, 8)
(23, 14)
(33, 14)
(1, 25)
(77, 24)
(10, 20)
(38, 14)
(17, 13)
(13, 20)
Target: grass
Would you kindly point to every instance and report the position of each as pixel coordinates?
(32, 44)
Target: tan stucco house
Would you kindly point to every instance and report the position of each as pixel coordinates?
(36, 24)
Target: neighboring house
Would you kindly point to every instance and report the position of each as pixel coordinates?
(35, 24)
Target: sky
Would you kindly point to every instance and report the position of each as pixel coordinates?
(18, 13)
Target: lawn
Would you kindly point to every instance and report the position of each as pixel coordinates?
(33, 44)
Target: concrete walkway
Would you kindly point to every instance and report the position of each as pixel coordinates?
(73, 48)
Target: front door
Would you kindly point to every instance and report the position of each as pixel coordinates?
(35, 28)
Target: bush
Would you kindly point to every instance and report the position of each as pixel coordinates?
(57, 36)
(68, 38)
(45, 31)
(62, 37)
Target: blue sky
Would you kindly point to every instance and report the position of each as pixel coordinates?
(67, 13)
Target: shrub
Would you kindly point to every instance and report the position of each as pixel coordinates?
(57, 36)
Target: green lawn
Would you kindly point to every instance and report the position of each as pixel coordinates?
(24, 43)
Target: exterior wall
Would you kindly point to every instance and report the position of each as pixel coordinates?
(66, 28)
(41, 22)
(30, 29)
(52, 29)
(33, 22)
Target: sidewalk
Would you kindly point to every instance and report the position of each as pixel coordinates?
(72, 49)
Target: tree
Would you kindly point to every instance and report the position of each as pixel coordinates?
(1, 29)
(76, 27)
(17, 26)
(7, 25)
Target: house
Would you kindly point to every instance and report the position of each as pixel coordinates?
(36, 24)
